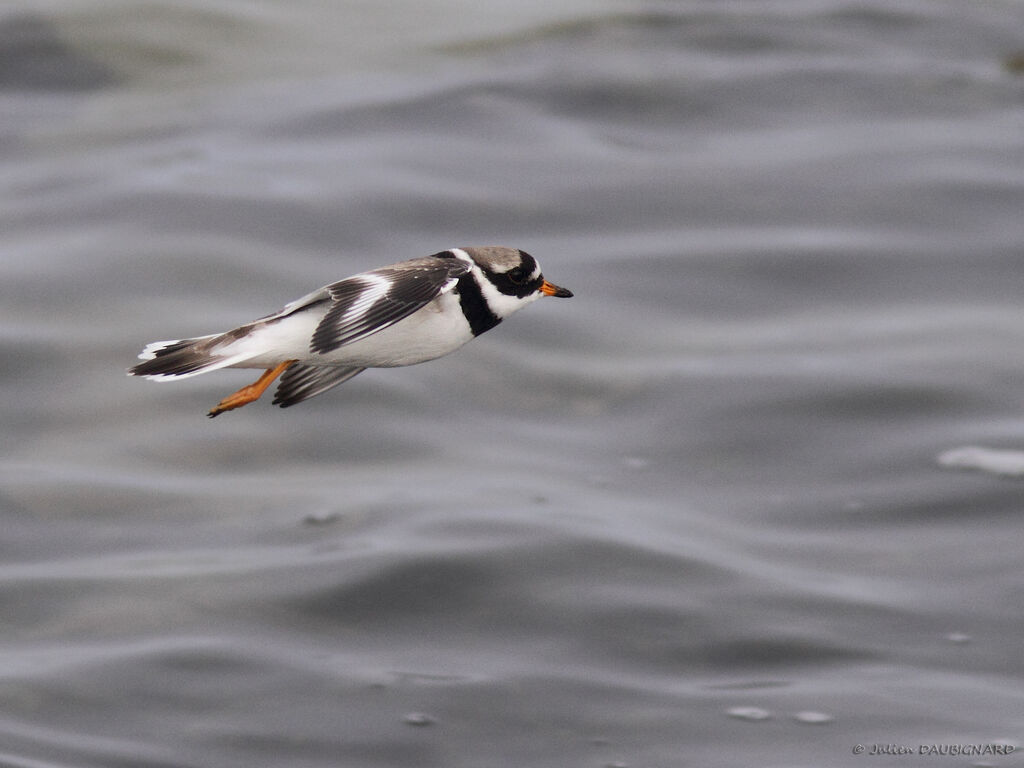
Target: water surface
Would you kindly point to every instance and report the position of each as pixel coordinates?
(694, 516)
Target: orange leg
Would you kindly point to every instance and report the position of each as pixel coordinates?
(250, 392)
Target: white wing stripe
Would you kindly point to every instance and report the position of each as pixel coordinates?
(374, 289)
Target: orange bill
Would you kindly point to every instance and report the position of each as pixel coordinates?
(550, 289)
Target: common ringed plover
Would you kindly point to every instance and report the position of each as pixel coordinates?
(403, 314)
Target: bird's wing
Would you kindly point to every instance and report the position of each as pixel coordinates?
(318, 296)
(372, 301)
(301, 382)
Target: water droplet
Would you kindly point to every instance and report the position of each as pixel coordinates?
(813, 718)
(419, 719)
(752, 714)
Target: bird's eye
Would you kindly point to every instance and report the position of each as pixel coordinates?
(516, 275)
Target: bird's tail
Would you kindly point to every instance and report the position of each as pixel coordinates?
(179, 359)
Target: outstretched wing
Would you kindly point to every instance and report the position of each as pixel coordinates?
(301, 382)
(372, 301)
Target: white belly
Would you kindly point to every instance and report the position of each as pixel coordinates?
(437, 329)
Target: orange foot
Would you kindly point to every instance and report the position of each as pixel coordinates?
(250, 392)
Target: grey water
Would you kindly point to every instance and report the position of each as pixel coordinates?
(696, 515)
